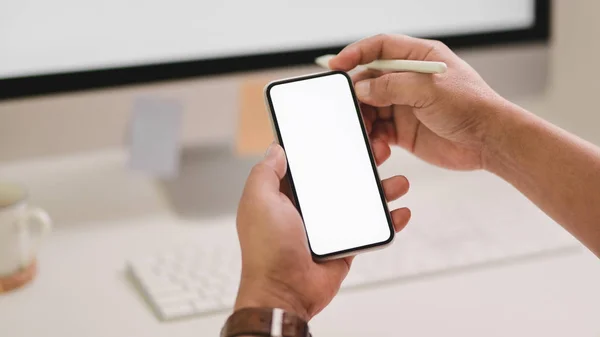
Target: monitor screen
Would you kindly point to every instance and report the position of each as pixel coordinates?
(39, 38)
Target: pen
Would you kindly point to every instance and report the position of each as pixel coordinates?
(428, 67)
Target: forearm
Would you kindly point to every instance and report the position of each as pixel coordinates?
(559, 172)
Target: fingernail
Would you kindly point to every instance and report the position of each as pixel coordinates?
(363, 88)
(271, 154)
(269, 150)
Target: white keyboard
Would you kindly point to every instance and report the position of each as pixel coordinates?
(490, 222)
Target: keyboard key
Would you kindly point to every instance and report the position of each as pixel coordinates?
(166, 290)
(207, 305)
(176, 310)
(176, 298)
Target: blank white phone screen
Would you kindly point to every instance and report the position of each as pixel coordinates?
(328, 158)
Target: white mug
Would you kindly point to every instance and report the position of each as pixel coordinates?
(22, 229)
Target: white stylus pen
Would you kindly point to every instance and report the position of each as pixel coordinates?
(428, 67)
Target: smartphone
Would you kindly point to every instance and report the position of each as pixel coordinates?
(331, 172)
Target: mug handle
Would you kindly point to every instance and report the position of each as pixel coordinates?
(39, 220)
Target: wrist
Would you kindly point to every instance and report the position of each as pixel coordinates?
(505, 124)
(269, 294)
(264, 322)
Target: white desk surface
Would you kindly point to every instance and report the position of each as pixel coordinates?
(82, 288)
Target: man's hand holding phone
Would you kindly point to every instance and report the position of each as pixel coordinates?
(277, 267)
(445, 119)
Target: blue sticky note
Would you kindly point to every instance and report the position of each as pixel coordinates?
(154, 136)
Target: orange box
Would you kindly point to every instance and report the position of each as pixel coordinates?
(254, 132)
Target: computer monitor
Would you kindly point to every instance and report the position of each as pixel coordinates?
(71, 71)
(66, 45)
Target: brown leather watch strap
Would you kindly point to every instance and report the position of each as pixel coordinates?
(259, 322)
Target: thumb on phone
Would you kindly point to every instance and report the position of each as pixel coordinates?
(266, 176)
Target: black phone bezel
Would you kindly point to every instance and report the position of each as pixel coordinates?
(289, 176)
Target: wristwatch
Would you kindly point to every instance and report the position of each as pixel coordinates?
(264, 322)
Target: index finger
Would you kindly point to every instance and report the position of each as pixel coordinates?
(382, 46)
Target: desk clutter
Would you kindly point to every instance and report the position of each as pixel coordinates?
(22, 230)
(19, 278)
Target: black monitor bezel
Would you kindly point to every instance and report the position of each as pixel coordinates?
(20, 87)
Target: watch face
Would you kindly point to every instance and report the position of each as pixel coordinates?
(260, 322)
